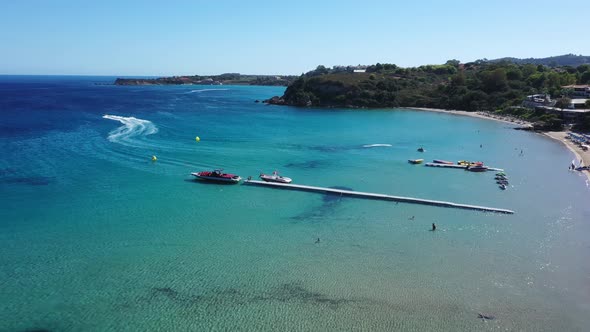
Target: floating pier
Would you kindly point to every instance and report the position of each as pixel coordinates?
(382, 197)
(459, 166)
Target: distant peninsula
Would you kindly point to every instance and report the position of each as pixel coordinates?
(223, 79)
(482, 85)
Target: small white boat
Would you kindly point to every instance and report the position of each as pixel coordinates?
(275, 177)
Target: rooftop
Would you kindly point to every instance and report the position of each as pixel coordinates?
(579, 86)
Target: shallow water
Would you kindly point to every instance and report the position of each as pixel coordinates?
(96, 236)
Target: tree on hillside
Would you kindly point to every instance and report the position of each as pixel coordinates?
(528, 70)
(514, 74)
(453, 62)
(458, 79)
(495, 80)
(584, 124)
(563, 102)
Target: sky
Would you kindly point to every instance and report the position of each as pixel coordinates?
(164, 38)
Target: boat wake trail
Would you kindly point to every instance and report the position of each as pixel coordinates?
(376, 145)
(132, 127)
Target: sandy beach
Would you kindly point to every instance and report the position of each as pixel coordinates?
(578, 152)
(481, 115)
(557, 135)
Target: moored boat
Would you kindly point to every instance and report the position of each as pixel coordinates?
(477, 168)
(469, 163)
(415, 161)
(217, 175)
(275, 177)
(446, 162)
(502, 186)
(421, 149)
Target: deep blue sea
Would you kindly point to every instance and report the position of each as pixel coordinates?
(94, 236)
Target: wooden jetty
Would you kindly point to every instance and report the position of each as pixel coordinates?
(360, 194)
(459, 166)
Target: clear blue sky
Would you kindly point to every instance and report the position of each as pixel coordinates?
(106, 37)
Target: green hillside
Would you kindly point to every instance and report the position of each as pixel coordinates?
(479, 85)
(552, 61)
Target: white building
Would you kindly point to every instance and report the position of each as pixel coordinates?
(578, 103)
(579, 90)
(533, 101)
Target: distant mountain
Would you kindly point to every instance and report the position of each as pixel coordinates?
(552, 61)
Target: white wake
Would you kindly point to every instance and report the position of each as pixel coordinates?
(375, 145)
(132, 127)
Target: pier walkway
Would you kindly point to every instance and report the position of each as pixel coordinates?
(376, 196)
(459, 166)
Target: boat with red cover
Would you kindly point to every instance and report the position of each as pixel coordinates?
(217, 175)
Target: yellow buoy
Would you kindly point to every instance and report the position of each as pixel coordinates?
(197, 138)
(154, 158)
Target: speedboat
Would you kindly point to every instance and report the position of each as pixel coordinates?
(438, 161)
(217, 175)
(477, 168)
(415, 161)
(275, 177)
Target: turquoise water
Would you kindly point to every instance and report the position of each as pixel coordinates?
(95, 236)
